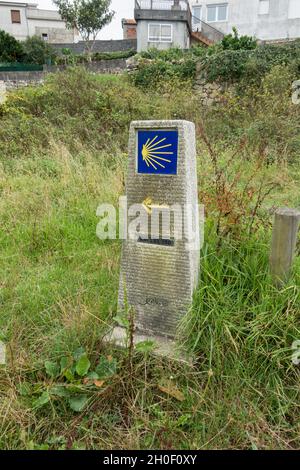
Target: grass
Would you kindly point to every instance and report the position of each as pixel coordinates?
(59, 287)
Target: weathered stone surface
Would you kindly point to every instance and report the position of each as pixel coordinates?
(158, 281)
(2, 92)
(2, 353)
(14, 80)
(116, 45)
(161, 347)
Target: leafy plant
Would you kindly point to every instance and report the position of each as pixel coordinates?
(88, 17)
(235, 42)
(10, 49)
(234, 65)
(71, 381)
(37, 51)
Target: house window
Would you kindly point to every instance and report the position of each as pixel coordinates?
(15, 16)
(264, 6)
(160, 32)
(197, 15)
(217, 12)
(45, 36)
(294, 9)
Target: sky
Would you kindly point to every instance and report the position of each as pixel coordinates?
(123, 9)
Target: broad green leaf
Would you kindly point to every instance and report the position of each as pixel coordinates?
(75, 388)
(59, 391)
(24, 389)
(69, 375)
(77, 403)
(42, 400)
(65, 363)
(106, 367)
(83, 365)
(93, 376)
(78, 353)
(52, 369)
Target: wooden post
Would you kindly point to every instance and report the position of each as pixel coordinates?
(284, 241)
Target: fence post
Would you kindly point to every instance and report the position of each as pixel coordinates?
(284, 239)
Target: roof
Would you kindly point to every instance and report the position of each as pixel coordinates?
(129, 21)
(23, 4)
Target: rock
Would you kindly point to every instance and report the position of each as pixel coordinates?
(2, 92)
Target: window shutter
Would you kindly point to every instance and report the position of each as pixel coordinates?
(15, 16)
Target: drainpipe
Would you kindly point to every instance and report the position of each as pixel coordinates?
(27, 21)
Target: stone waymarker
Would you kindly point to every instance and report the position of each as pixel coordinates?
(2, 92)
(160, 264)
(2, 354)
(284, 240)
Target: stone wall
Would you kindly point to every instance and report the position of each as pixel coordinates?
(119, 45)
(113, 66)
(208, 92)
(13, 80)
(2, 92)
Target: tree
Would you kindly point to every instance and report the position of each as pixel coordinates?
(87, 16)
(10, 49)
(37, 51)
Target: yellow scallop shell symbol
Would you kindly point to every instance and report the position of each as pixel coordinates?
(152, 151)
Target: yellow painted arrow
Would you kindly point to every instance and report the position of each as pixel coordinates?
(149, 205)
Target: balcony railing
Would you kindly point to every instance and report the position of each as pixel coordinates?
(195, 24)
(162, 5)
(206, 29)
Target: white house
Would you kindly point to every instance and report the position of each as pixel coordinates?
(168, 23)
(23, 20)
(268, 20)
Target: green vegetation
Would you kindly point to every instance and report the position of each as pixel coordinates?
(69, 58)
(235, 42)
(62, 153)
(33, 51)
(236, 59)
(10, 49)
(87, 17)
(37, 51)
(17, 55)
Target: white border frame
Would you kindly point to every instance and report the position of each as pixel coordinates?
(217, 5)
(166, 129)
(195, 5)
(160, 24)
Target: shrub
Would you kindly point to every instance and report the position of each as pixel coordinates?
(235, 42)
(236, 59)
(113, 55)
(37, 51)
(76, 107)
(10, 49)
(251, 65)
(225, 65)
(150, 74)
